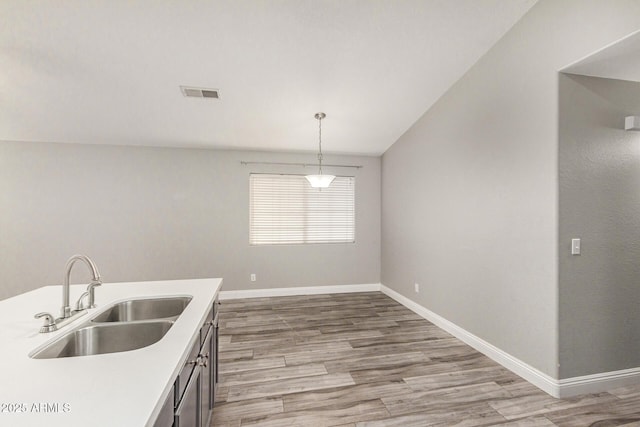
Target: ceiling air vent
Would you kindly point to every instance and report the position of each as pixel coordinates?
(199, 92)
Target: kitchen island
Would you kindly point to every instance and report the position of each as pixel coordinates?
(116, 389)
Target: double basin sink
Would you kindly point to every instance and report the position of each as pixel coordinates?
(123, 326)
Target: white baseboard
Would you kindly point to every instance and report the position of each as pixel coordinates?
(305, 290)
(529, 373)
(557, 388)
(567, 387)
(597, 383)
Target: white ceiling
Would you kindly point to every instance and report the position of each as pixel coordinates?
(109, 71)
(620, 60)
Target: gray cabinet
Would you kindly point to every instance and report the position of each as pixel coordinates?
(185, 373)
(188, 411)
(196, 384)
(216, 359)
(209, 358)
(205, 386)
(187, 391)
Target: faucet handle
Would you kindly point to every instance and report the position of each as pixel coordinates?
(49, 322)
(79, 306)
(92, 293)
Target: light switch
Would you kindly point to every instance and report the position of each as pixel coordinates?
(575, 246)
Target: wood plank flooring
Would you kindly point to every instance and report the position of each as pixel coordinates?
(365, 360)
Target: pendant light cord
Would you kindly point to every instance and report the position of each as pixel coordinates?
(320, 144)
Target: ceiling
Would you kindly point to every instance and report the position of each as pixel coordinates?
(621, 61)
(109, 71)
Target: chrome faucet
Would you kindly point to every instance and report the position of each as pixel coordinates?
(66, 315)
(65, 312)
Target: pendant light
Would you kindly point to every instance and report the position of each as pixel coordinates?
(320, 180)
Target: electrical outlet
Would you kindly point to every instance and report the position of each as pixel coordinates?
(253, 277)
(416, 287)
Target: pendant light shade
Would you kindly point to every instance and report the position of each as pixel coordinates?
(320, 180)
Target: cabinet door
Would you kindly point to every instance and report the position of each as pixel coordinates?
(188, 412)
(215, 361)
(185, 373)
(206, 390)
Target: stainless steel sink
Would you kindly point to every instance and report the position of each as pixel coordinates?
(106, 338)
(124, 326)
(144, 309)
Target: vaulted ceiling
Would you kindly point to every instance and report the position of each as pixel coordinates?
(110, 71)
(619, 61)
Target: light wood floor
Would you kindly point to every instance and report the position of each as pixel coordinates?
(365, 360)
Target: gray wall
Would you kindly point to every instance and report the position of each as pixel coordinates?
(157, 213)
(470, 192)
(599, 166)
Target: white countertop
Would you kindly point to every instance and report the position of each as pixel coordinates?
(116, 389)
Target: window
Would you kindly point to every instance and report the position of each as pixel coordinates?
(286, 210)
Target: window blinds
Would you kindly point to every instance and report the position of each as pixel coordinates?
(285, 210)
